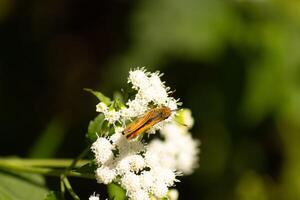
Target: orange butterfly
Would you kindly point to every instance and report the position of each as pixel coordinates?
(145, 122)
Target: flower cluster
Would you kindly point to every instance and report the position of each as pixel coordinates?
(146, 170)
(94, 197)
(151, 91)
(128, 163)
(178, 150)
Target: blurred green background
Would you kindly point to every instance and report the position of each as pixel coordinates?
(236, 64)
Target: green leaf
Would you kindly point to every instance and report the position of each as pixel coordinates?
(49, 140)
(54, 195)
(99, 95)
(117, 104)
(118, 96)
(88, 168)
(22, 187)
(115, 192)
(94, 128)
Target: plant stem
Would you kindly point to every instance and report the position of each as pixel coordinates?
(62, 187)
(77, 159)
(17, 167)
(69, 188)
(58, 163)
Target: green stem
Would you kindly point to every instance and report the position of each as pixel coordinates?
(42, 170)
(62, 187)
(63, 177)
(78, 158)
(58, 163)
(69, 188)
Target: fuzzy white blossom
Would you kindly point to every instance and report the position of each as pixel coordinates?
(94, 197)
(150, 89)
(138, 177)
(105, 174)
(101, 107)
(111, 115)
(178, 151)
(133, 163)
(102, 149)
(139, 195)
(146, 170)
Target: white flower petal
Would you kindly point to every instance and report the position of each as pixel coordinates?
(105, 175)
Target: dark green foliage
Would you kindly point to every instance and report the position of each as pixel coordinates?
(54, 195)
(116, 192)
(95, 128)
(99, 95)
(22, 187)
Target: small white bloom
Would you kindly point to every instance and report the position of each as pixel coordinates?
(136, 107)
(130, 163)
(147, 180)
(102, 149)
(137, 163)
(137, 146)
(105, 175)
(172, 103)
(166, 176)
(179, 151)
(131, 182)
(160, 189)
(139, 195)
(94, 197)
(112, 116)
(150, 89)
(146, 170)
(138, 78)
(101, 107)
(151, 159)
(119, 140)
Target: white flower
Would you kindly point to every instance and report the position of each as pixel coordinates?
(179, 151)
(137, 146)
(151, 158)
(161, 152)
(150, 89)
(120, 142)
(112, 116)
(165, 175)
(146, 171)
(137, 78)
(136, 107)
(131, 163)
(105, 175)
(147, 180)
(160, 189)
(131, 182)
(139, 195)
(101, 107)
(94, 197)
(138, 170)
(102, 149)
(124, 146)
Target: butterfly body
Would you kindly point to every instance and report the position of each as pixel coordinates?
(145, 122)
